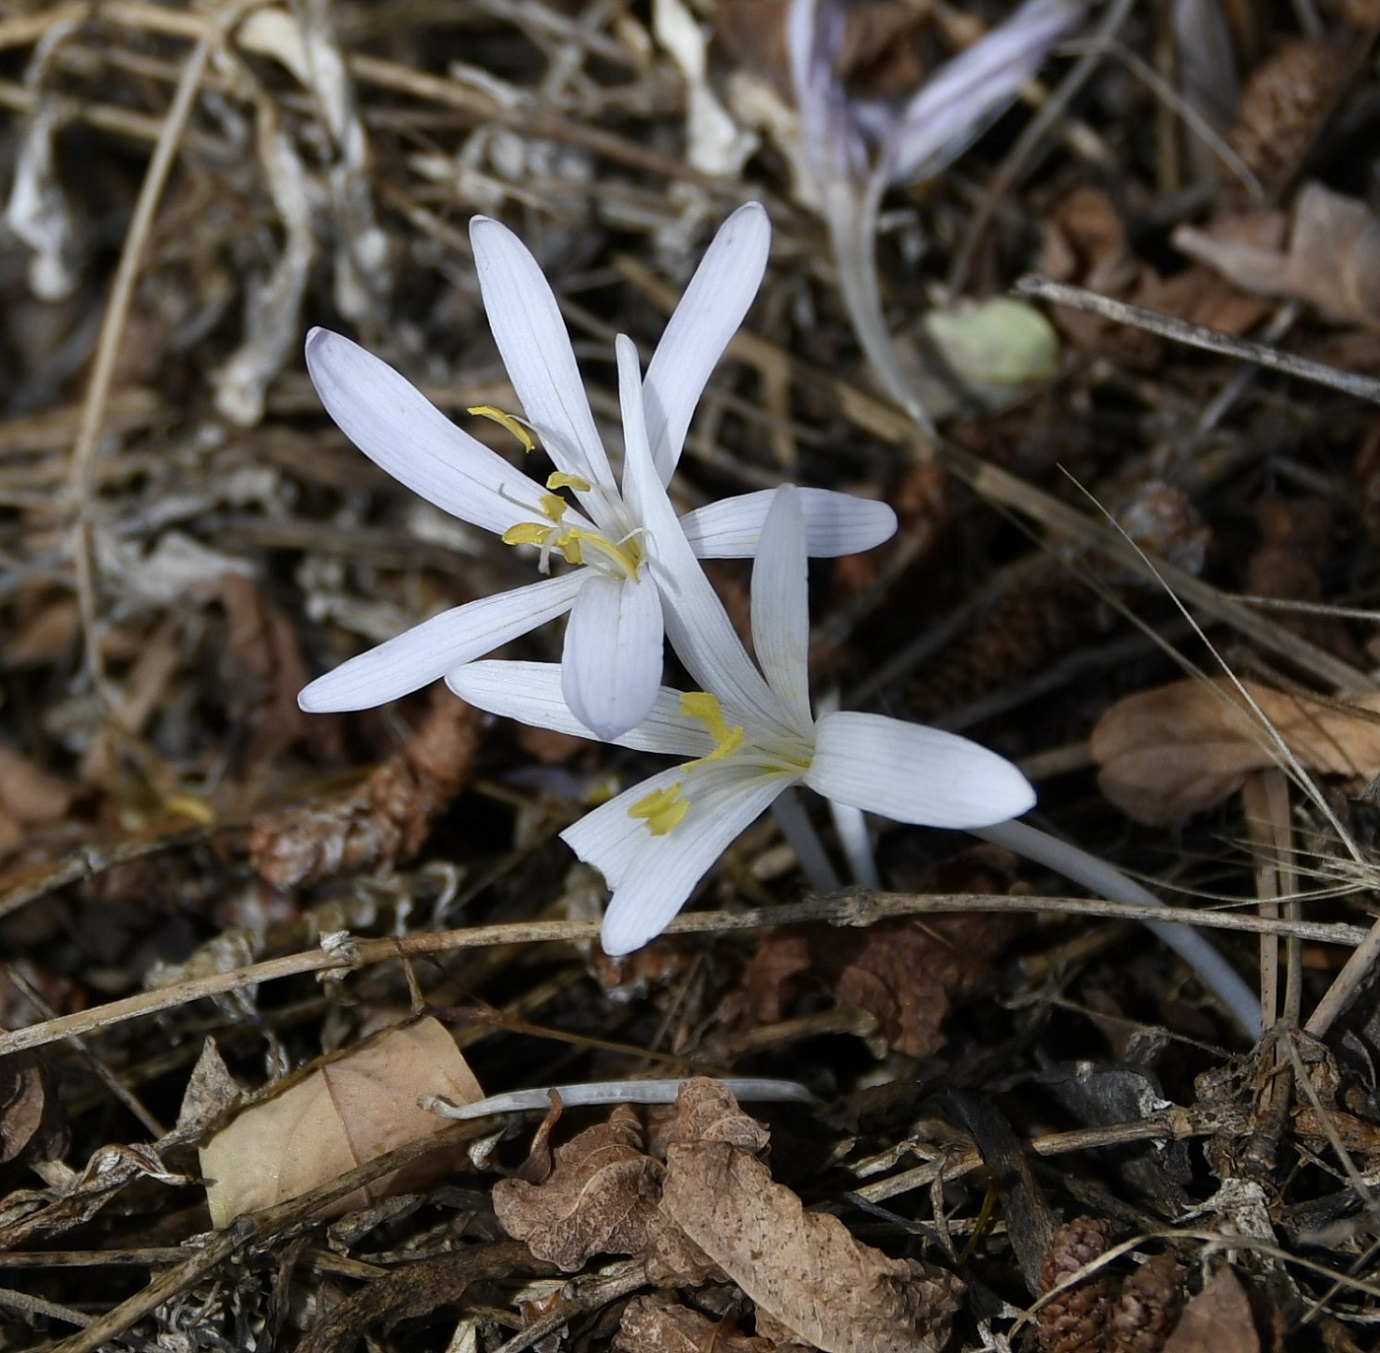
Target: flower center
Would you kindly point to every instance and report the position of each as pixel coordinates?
(617, 558)
(664, 809)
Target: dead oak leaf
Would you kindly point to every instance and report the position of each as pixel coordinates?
(1332, 259)
(1167, 753)
(602, 1196)
(349, 1111)
(657, 1325)
(805, 1270)
(1218, 1320)
(904, 974)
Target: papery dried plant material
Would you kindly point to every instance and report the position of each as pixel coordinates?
(1297, 539)
(1167, 753)
(1283, 106)
(1332, 259)
(302, 40)
(33, 1119)
(601, 1197)
(38, 213)
(1218, 1320)
(266, 669)
(1147, 1307)
(339, 1116)
(904, 974)
(1074, 1319)
(658, 1325)
(273, 308)
(29, 797)
(384, 821)
(715, 144)
(210, 1094)
(803, 1269)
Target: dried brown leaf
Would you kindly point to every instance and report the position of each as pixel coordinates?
(602, 1196)
(342, 1114)
(266, 669)
(383, 822)
(1167, 753)
(29, 794)
(804, 1269)
(1332, 259)
(656, 1325)
(903, 974)
(1218, 1320)
(33, 1121)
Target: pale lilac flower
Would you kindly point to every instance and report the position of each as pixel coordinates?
(612, 655)
(856, 149)
(748, 734)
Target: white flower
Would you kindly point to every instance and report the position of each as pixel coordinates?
(612, 655)
(748, 734)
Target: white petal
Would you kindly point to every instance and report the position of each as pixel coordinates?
(418, 656)
(781, 606)
(695, 619)
(709, 313)
(965, 94)
(531, 693)
(407, 436)
(911, 773)
(613, 657)
(653, 876)
(835, 524)
(535, 347)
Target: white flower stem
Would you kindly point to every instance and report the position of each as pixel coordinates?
(1107, 881)
(756, 1088)
(802, 838)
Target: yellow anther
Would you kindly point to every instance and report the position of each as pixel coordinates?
(553, 506)
(527, 533)
(662, 809)
(557, 480)
(706, 708)
(505, 421)
(568, 543)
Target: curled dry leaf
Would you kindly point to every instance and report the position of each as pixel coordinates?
(656, 1325)
(602, 1196)
(804, 1269)
(341, 1115)
(902, 974)
(1332, 259)
(33, 1120)
(1177, 750)
(386, 819)
(713, 1207)
(29, 797)
(1218, 1320)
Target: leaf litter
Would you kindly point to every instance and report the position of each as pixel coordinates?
(1002, 1100)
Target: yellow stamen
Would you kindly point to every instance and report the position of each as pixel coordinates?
(706, 708)
(553, 505)
(505, 421)
(526, 533)
(662, 809)
(557, 480)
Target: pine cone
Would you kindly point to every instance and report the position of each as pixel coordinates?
(1073, 1322)
(1148, 1307)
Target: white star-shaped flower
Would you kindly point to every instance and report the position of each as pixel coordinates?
(747, 734)
(612, 655)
